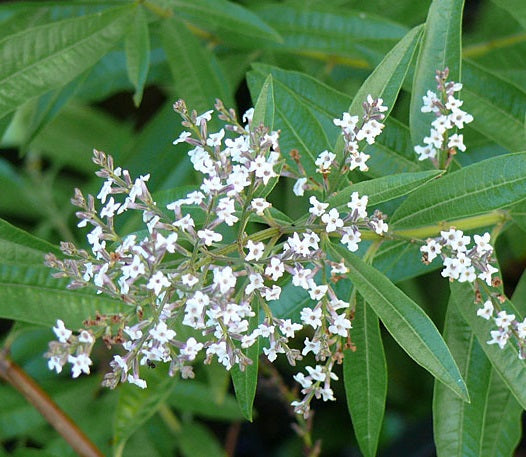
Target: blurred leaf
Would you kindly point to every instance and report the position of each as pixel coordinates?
(505, 361)
(406, 322)
(231, 22)
(324, 32)
(69, 139)
(441, 48)
(47, 56)
(195, 440)
(498, 107)
(136, 405)
(137, 47)
(197, 398)
(245, 382)
(49, 105)
(197, 76)
(476, 189)
(365, 378)
(516, 8)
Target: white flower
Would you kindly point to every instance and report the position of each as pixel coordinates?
(185, 223)
(81, 364)
(209, 237)
(486, 311)
(340, 326)
(429, 100)
(313, 346)
(358, 206)
(441, 124)
(191, 348)
(62, 332)
(214, 139)
(137, 381)
(255, 250)
(271, 293)
(324, 161)
(263, 169)
(482, 243)
(332, 220)
(347, 123)
(311, 317)
(351, 237)
(459, 118)
(110, 208)
(275, 269)
(499, 337)
(299, 187)
(182, 137)
(55, 363)
(162, 333)
(317, 292)
(259, 205)
(224, 278)
(157, 282)
(288, 328)
(255, 282)
(86, 337)
(358, 160)
(316, 373)
(434, 139)
(431, 249)
(304, 381)
(456, 141)
(425, 152)
(486, 275)
(504, 320)
(369, 131)
(317, 208)
(203, 117)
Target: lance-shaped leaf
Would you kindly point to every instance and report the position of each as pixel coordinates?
(506, 361)
(479, 188)
(365, 378)
(441, 48)
(411, 328)
(230, 21)
(264, 107)
(48, 56)
(137, 46)
(517, 9)
(245, 382)
(197, 76)
(386, 188)
(494, 102)
(459, 426)
(387, 78)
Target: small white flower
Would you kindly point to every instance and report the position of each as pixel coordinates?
(209, 237)
(431, 249)
(62, 332)
(137, 381)
(299, 187)
(182, 137)
(456, 141)
(157, 282)
(340, 326)
(332, 220)
(81, 364)
(275, 269)
(259, 205)
(486, 311)
(162, 333)
(358, 206)
(311, 317)
(317, 208)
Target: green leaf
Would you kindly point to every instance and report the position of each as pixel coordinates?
(412, 329)
(137, 47)
(29, 294)
(195, 440)
(383, 189)
(231, 22)
(245, 382)
(458, 426)
(197, 76)
(516, 8)
(48, 56)
(136, 405)
(308, 30)
(264, 107)
(476, 189)
(494, 102)
(506, 361)
(197, 398)
(441, 48)
(365, 378)
(387, 78)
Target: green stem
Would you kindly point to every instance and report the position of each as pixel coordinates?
(170, 419)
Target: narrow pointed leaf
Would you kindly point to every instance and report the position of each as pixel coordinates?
(386, 188)
(476, 189)
(264, 107)
(230, 21)
(494, 102)
(365, 378)
(459, 426)
(412, 329)
(441, 48)
(137, 46)
(386, 80)
(48, 56)
(197, 76)
(245, 382)
(506, 361)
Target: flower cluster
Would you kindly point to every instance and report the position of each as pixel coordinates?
(461, 262)
(441, 142)
(194, 269)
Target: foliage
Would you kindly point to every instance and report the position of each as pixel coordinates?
(78, 76)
